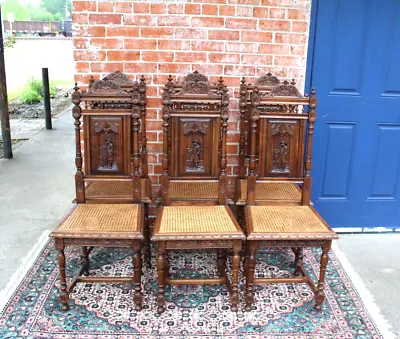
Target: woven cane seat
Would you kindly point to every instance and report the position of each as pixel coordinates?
(271, 191)
(196, 222)
(123, 190)
(114, 221)
(193, 190)
(283, 222)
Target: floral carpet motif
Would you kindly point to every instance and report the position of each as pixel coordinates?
(106, 310)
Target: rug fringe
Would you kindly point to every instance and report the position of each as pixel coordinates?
(366, 296)
(20, 273)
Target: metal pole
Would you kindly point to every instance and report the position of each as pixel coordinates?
(4, 114)
(46, 97)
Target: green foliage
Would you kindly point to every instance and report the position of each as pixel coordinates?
(10, 42)
(29, 96)
(14, 6)
(40, 14)
(57, 6)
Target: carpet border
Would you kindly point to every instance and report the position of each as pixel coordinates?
(366, 296)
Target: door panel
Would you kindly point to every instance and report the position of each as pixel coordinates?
(356, 157)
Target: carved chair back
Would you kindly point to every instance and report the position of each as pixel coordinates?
(280, 135)
(111, 112)
(264, 84)
(195, 121)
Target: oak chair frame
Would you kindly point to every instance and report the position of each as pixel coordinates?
(288, 98)
(196, 92)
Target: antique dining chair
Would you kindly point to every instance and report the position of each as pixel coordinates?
(194, 213)
(284, 158)
(111, 118)
(266, 192)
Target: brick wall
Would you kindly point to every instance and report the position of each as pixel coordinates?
(232, 38)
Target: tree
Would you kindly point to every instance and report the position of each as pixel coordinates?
(57, 6)
(13, 6)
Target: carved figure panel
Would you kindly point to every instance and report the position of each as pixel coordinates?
(267, 80)
(195, 83)
(119, 78)
(285, 89)
(106, 145)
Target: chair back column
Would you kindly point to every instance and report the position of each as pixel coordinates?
(243, 123)
(166, 110)
(224, 130)
(135, 157)
(77, 114)
(312, 117)
(142, 91)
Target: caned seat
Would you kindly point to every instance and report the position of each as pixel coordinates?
(196, 222)
(117, 191)
(113, 221)
(193, 190)
(284, 222)
(270, 192)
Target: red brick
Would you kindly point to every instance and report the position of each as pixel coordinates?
(223, 35)
(277, 13)
(95, 31)
(107, 43)
(257, 36)
(229, 81)
(81, 19)
(288, 38)
(225, 10)
(123, 7)
(232, 149)
(83, 6)
(260, 12)
(173, 44)
(158, 56)
(105, 6)
(141, 7)
(257, 59)
(105, 67)
(297, 14)
(210, 10)
(239, 70)
(105, 18)
(139, 20)
(244, 11)
(87, 55)
(140, 44)
(241, 47)
(156, 32)
(192, 9)
(243, 2)
(154, 125)
(190, 57)
(155, 102)
(153, 147)
(278, 71)
(83, 79)
(171, 20)
(158, 8)
(298, 26)
(233, 137)
(140, 67)
(175, 8)
(207, 46)
(190, 33)
(207, 22)
(275, 49)
(82, 67)
(241, 23)
(275, 25)
(224, 58)
(81, 43)
(298, 50)
(208, 69)
(123, 55)
(174, 68)
(288, 61)
(124, 31)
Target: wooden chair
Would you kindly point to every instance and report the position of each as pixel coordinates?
(265, 192)
(194, 212)
(111, 125)
(284, 158)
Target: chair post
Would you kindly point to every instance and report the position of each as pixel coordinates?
(312, 116)
(166, 110)
(142, 90)
(243, 125)
(251, 180)
(77, 114)
(135, 158)
(224, 130)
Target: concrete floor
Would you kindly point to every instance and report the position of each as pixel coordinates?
(37, 188)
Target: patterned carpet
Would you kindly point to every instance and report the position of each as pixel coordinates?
(106, 311)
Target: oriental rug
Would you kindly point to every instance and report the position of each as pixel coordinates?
(193, 311)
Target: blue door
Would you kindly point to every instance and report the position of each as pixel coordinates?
(356, 72)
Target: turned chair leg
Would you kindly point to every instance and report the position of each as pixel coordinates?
(320, 295)
(162, 276)
(64, 296)
(237, 247)
(85, 261)
(251, 248)
(137, 270)
(298, 262)
(221, 261)
(146, 235)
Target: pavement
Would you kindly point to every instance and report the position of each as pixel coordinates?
(37, 188)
